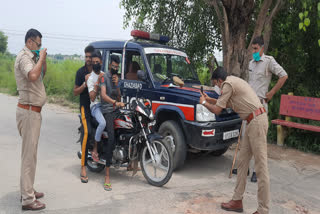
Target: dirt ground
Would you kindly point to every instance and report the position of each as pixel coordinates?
(301, 161)
(298, 158)
(198, 188)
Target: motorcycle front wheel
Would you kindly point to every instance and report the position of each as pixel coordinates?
(158, 171)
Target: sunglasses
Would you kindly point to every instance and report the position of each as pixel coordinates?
(39, 45)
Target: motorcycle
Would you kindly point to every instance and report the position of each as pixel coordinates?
(134, 140)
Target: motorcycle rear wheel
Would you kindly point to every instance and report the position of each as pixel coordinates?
(163, 164)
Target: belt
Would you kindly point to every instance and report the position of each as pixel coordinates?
(33, 108)
(255, 114)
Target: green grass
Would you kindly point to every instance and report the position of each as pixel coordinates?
(7, 80)
(59, 78)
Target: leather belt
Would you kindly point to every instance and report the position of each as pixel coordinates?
(255, 114)
(33, 108)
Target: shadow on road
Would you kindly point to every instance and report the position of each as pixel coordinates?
(204, 165)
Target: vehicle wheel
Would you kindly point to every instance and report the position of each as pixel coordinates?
(95, 167)
(179, 148)
(219, 152)
(157, 173)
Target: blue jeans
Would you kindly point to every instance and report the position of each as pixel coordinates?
(96, 113)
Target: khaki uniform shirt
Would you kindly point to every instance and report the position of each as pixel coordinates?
(238, 95)
(260, 74)
(30, 93)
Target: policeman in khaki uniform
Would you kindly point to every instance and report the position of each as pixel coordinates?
(261, 69)
(30, 68)
(238, 95)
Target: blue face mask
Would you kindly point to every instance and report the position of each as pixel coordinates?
(37, 51)
(256, 55)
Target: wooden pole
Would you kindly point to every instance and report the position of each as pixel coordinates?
(235, 154)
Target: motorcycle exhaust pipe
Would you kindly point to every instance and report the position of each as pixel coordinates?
(89, 155)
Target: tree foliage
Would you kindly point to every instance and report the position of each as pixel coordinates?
(298, 52)
(191, 25)
(309, 6)
(3, 42)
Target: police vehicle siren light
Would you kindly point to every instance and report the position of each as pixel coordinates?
(150, 36)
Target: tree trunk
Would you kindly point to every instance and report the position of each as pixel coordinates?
(234, 24)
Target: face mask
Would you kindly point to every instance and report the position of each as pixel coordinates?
(256, 55)
(37, 51)
(96, 67)
(113, 71)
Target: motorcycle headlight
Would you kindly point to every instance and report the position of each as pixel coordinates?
(203, 114)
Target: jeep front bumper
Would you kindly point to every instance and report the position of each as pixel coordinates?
(210, 135)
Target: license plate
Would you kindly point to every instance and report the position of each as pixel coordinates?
(230, 134)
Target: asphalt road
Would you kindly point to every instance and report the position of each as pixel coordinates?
(199, 187)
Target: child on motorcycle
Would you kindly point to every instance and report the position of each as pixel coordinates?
(93, 83)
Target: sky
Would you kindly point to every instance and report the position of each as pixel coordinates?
(67, 26)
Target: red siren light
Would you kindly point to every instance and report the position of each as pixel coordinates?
(150, 36)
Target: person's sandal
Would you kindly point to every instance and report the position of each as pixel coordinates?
(107, 187)
(84, 179)
(95, 157)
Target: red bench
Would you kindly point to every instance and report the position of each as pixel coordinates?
(301, 107)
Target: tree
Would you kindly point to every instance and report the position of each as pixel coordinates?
(190, 24)
(199, 26)
(3, 42)
(298, 52)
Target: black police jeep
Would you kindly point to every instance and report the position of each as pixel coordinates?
(167, 80)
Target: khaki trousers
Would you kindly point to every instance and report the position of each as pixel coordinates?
(254, 143)
(28, 123)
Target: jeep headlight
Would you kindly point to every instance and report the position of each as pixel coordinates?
(203, 114)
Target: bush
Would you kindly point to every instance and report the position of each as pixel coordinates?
(59, 79)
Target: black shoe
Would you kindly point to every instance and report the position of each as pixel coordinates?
(254, 177)
(235, 171)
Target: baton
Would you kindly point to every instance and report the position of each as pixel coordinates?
(235, 154)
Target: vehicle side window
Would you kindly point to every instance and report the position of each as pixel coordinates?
(134, 62)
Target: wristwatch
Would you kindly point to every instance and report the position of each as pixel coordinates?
(203, 102)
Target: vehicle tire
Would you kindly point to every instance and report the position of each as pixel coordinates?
(219, 152)
(95, 167)
(179, 151)
(164, 163)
